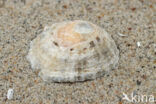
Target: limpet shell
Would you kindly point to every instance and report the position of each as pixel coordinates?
(73, 51)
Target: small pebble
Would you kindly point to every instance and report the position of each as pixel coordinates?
(121, 34)
(133, 9)
(138, 82)
(10, 94)
(154, 47)
(138, 44)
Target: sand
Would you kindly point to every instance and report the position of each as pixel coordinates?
(22, 20)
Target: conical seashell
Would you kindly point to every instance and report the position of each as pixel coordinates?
(73, 51)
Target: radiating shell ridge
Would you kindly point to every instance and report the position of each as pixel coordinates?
(73, 51)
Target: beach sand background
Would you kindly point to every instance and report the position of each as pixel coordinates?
(22, 20)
